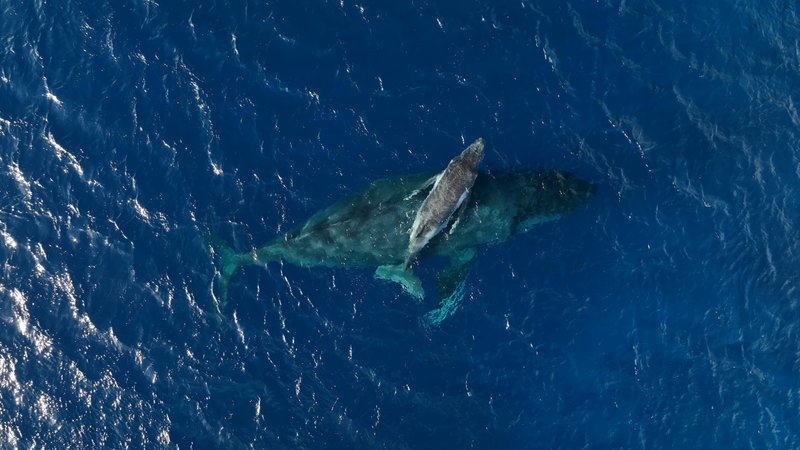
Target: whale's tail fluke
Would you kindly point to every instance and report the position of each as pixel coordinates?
(227, 263)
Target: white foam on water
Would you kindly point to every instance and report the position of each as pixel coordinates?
(8, 240)
(62, 154)
(23, 184)
(56, 101)
(9, 382)
(141, 211)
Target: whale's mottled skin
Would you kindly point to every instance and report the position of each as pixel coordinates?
(450, 190)
(371, 228)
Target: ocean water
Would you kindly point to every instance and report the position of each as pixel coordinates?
(662, 314)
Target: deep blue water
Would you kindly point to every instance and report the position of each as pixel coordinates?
(663, 314)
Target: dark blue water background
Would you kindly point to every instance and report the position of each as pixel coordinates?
(664, 314)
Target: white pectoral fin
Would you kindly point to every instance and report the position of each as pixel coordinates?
(459, 211)
(434, 180)
(455, 224)
(462, 199)
(427, 184)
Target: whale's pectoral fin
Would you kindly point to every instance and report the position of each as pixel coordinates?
(427, 185)
(458, 214)
(449, 278)
(401, 274)
(450, 284)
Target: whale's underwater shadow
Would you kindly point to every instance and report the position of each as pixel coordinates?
(371, 228)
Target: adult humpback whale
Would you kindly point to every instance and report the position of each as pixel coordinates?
(371, 228)
(450, 190)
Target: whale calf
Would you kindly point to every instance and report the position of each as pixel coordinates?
(450, 189)
(370, 229)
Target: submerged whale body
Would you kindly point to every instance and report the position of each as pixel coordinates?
(370, 229)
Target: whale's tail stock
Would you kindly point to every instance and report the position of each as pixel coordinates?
(227, 263)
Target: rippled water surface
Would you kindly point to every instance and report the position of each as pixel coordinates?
(662, 314)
